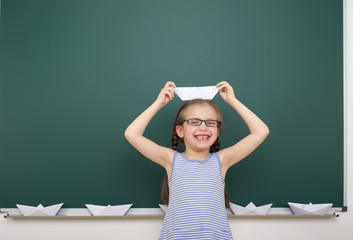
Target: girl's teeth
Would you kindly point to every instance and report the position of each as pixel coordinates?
(202, 137)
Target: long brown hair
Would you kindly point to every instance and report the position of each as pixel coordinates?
(175, 142)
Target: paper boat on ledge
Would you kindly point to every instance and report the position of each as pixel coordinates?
(310, 209)
(39, 210)
(118, 210)
(250, 209)
(163, 207)
(189, 93)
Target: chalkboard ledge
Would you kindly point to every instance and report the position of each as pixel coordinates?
(140, 213)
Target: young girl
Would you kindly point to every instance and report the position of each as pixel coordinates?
(196, 208)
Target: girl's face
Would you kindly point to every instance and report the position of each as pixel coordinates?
(198, 138)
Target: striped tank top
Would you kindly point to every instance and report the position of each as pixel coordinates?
(196, 207)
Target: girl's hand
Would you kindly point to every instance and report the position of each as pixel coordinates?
(166, 94)
(228, 93)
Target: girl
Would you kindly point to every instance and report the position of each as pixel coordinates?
(196, 208)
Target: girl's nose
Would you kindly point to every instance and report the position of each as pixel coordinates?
(203, 125)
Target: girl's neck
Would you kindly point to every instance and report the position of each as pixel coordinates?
(196, 155)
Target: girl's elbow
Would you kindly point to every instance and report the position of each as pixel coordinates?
(266, 132)
(263, 133)
(127, 134)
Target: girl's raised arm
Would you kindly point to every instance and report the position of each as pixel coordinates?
(258, 130)
(134, 132)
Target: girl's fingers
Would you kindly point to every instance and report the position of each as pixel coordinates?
(221, 87)
(169, 87)
(168, 92)
(222, 84)
(171, 92)
(226, 91)
(169, 95)
(169, 84)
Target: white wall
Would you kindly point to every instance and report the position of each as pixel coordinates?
(340, 228)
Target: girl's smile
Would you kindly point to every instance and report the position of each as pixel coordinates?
(202, 137)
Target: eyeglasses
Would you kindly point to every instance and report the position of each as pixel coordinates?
(198, 122)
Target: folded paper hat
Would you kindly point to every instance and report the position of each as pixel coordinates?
(163, 207)
(39, 210)
(118, 210)
(310, 209)
(189, 93)
(250, 209)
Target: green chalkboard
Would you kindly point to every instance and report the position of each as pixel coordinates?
(75, 73)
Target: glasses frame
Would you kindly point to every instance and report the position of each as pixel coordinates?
(205, 121)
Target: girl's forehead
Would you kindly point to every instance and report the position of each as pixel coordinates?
(203, 111)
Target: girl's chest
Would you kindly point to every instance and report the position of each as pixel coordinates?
(198, 172)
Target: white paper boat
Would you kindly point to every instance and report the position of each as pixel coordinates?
(39, 210)
(250, 209)
(310, 209)
(118, 210)
(163, 207)
(189, 93)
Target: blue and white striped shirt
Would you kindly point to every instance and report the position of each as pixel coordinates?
(196, 200)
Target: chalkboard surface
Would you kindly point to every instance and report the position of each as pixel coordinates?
(75, 73)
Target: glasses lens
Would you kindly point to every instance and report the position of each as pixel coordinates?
(194, 122)
(212, 123)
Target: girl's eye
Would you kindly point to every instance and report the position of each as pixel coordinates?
(212, 123)
(194, 121)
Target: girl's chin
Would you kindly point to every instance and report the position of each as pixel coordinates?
(201, 144)
(204, 144)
